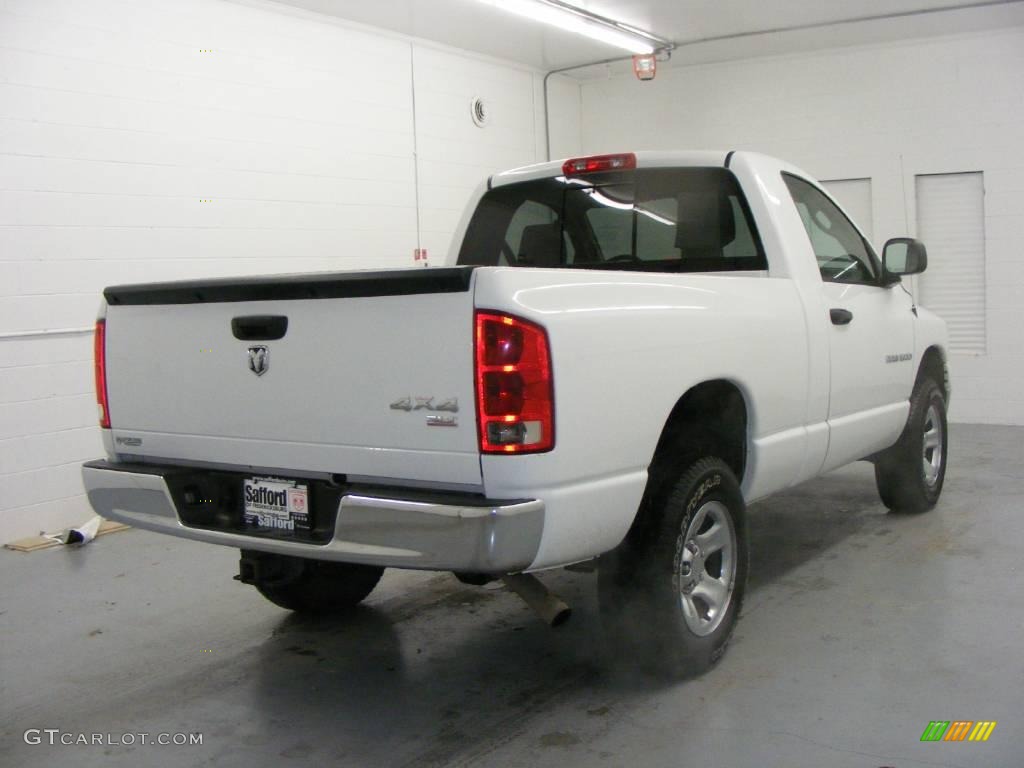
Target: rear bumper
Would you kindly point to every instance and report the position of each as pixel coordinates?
(445, 532)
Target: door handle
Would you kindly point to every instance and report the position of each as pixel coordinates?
(840, 316)
(259, 327)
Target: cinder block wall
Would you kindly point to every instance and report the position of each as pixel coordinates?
(887, 113)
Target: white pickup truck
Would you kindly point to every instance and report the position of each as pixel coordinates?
(624, 350)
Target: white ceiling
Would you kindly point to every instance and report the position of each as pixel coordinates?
(705, 30)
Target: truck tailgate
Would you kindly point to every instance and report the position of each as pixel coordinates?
(373, 377)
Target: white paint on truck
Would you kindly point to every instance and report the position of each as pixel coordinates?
(625, 345)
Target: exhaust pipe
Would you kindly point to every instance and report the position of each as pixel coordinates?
(548, 605)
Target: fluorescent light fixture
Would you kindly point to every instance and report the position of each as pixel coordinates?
(572, 19)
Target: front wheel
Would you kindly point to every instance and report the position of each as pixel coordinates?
(671, 593)
(910, 474)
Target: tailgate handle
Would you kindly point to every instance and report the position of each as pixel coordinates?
(259, 327)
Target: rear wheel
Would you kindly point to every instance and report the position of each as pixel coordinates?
(910, 474)
(671, 593)
(309, 586)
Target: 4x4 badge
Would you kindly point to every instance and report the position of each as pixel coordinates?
(259, 359)
(418, 403)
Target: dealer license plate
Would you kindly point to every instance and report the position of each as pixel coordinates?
(271, 502)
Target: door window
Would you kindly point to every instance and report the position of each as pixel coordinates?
(843, 255)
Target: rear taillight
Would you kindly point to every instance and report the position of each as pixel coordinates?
(597, 163)
(100, 362)
(515, 409)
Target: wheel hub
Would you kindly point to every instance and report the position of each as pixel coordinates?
(707, 567)
(691, 568)
(931, 446)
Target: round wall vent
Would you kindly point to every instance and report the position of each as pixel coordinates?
(480, 111)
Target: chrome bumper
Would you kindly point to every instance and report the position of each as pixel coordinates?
(459, 532)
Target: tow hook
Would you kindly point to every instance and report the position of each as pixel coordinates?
(547, 604)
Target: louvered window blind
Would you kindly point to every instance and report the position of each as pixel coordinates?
(951, 222)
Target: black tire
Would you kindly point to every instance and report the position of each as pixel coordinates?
(318, 587)
(911, 473)
(647, 588)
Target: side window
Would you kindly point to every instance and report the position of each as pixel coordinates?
(842, 254)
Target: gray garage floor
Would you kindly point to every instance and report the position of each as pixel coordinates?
(860, 628)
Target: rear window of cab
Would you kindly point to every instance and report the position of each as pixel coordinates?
(662, 220)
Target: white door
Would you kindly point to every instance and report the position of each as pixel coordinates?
(951, 222)
(871, 333)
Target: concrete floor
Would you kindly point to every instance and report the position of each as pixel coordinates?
(860, 627)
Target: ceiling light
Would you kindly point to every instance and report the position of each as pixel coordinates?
(572, 19)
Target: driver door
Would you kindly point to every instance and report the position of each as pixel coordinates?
(871, 332)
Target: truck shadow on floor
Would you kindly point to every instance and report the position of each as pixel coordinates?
(449, 671)
(802, 524)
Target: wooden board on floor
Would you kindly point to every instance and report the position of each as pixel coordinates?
(32, 543)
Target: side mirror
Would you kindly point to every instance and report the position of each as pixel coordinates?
(904, 256)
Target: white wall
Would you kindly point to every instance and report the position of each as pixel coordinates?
(566, 109)
(185, 138)
(454, 154)
(886, 113)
